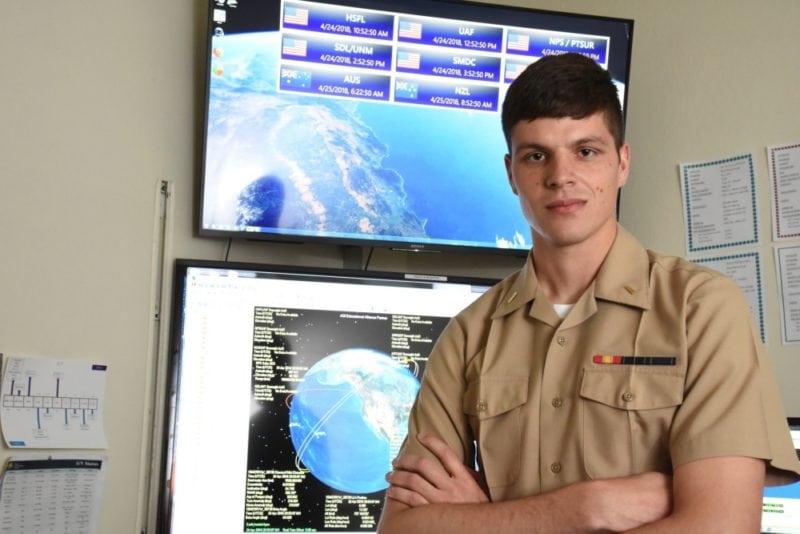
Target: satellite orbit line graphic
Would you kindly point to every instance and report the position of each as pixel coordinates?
(315, 430)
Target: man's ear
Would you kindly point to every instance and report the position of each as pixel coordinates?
(624, 164)
(507, 160)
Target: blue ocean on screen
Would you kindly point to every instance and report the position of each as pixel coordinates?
(302, 164)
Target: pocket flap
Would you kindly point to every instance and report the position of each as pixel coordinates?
(491, 396)
(630, 390)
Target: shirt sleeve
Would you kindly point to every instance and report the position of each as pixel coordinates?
(731, 406)
(438, 407)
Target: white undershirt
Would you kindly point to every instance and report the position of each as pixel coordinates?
(562, 309)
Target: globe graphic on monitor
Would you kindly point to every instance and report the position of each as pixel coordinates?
(349, 418)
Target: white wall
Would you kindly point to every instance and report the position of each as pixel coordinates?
(100, 104)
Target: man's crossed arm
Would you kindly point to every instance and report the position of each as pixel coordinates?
(711, 495)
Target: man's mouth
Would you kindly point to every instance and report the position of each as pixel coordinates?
(566, 205)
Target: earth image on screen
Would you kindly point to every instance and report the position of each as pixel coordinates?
(349, 418)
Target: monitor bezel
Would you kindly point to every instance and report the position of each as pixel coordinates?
(179, 279)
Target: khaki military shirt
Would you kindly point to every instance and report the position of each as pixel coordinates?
(656, 365)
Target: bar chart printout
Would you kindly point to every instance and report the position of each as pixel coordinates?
(51, 403)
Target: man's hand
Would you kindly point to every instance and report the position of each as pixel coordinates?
(417, 480)
(632, 501)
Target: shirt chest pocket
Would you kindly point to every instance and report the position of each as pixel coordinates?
(494, 409)
(625, 417)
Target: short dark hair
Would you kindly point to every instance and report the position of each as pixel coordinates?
(567, 85)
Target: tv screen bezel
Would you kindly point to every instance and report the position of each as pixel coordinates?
(455, 9)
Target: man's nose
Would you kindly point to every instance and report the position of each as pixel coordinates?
(561, 171)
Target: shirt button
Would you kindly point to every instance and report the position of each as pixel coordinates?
(627, 396)
(481, 406)
(561, 340)
(555, 467)
(557, 402)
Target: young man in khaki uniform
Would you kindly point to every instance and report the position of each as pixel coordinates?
(604, 387)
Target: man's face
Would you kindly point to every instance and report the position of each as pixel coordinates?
(566, 173)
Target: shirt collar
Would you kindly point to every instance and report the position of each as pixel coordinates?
(623, 278)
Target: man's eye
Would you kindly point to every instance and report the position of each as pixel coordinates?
(536, 156)
(587, 152)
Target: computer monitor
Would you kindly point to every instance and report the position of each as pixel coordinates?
(781, 511)
(290, 392)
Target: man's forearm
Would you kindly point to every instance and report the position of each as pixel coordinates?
(564, 510)
(722, 494)
(615, 505)
(445, 496)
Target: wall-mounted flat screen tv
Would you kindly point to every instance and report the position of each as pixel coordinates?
(290, 392)
(375, 122)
